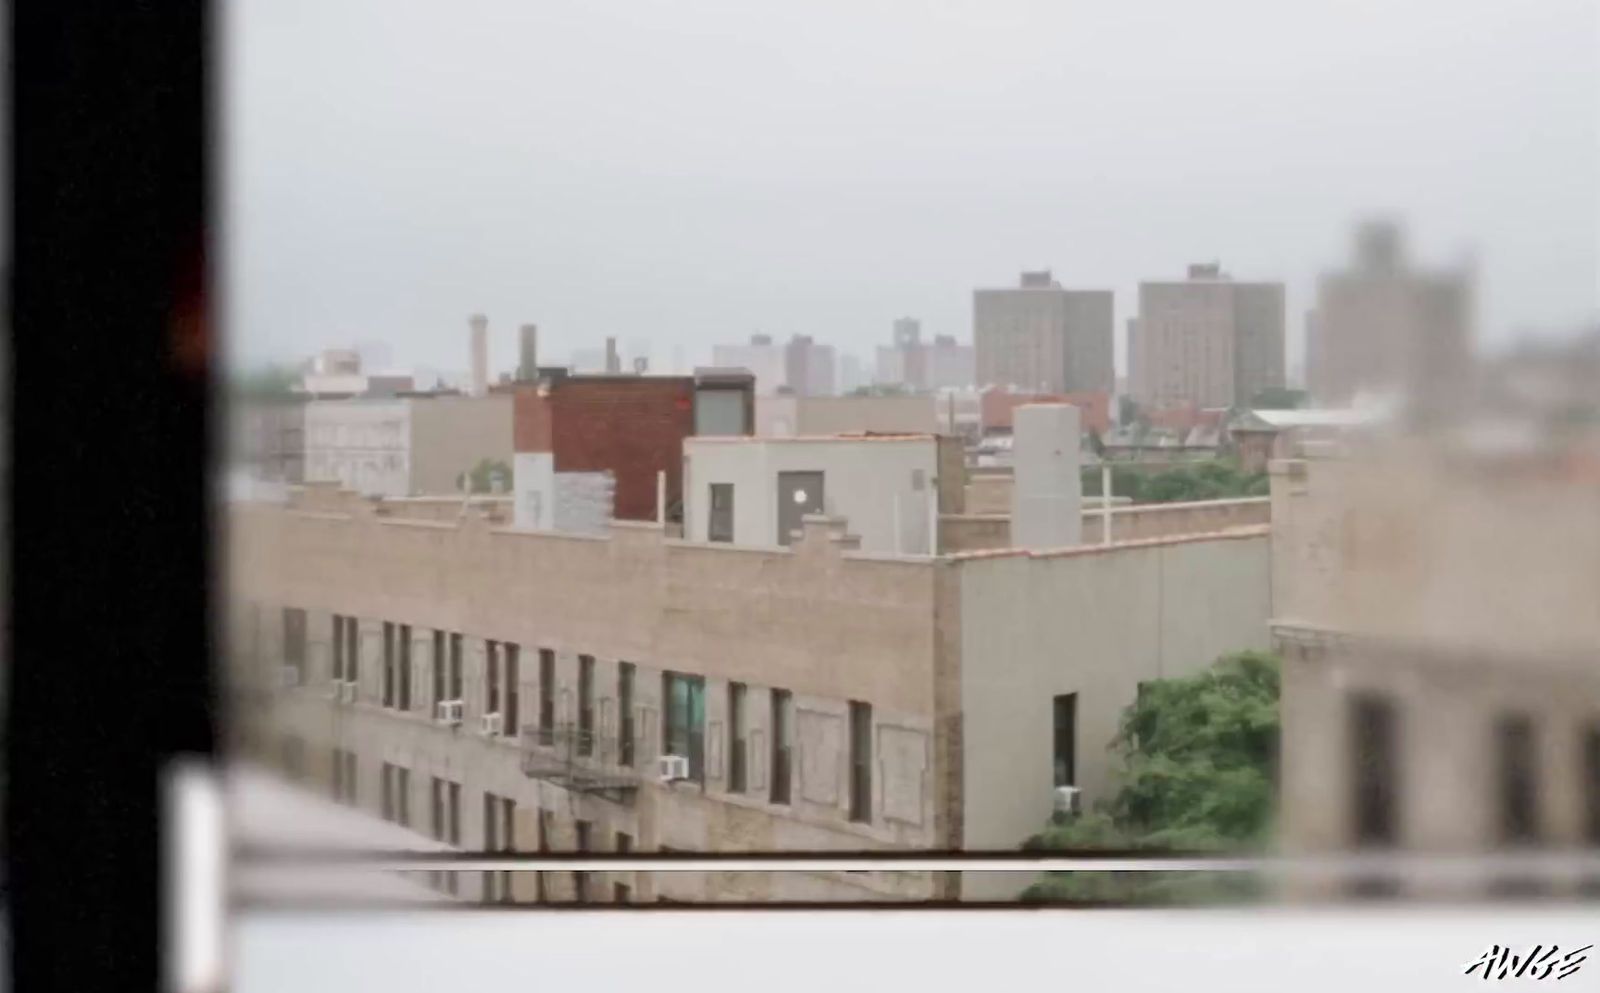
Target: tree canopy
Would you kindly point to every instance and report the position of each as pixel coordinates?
(1198, 766)
(266, 382)
(488, 476)
(1278, 398)
(1213, 479)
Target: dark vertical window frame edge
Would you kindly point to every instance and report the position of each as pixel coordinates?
(113, 342)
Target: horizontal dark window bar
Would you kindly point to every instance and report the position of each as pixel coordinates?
(479, 859)
(1563, 864)
(391, 905)
(884, 904)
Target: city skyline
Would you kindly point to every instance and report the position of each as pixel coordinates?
(367, 199)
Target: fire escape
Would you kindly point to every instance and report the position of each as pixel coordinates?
(581, 761)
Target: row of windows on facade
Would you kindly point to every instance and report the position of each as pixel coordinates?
(499, 820)
(1374, 735)
(683, 703)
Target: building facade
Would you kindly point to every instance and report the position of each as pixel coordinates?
(1382, 326)
(1038, 336)
(1207, 341)
(407, 445)
(914, 364)
(1435, 614)
(632, 427)
(269, 438)
(755, 492)
(504, 689)
(800, 366)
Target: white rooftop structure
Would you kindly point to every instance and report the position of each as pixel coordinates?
(265, 812)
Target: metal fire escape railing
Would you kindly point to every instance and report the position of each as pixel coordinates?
(581, 761)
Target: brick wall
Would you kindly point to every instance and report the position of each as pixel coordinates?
(998, 408)
(634, 427)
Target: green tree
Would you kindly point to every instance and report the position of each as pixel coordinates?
(268, 382)
(1278, 398)
(1198, 766)
(488, 476)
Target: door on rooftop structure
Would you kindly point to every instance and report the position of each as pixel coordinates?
(799, 494)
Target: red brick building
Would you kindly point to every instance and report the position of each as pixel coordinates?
(631, 425)
(997, 406)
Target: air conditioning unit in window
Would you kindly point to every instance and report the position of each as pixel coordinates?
(447, 712)
(347, 691)
(671, 768)
(1066, 800)
(288, 676)
(491, 724)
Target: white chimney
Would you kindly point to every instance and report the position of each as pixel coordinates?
(1046, 490)
(480, 354)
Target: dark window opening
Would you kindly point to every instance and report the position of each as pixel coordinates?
(580, 880)
(491, 677)
(405, 667)
(586, 705)
(1519, 770)
(547, 696)
(736, 738)
(860, 762)
(1374, 767)
(720, 525)
(389, 681)
(625, 676)
(512, 664)
(1064, 720)
(440, 664)
(782, 717)
(294, 641)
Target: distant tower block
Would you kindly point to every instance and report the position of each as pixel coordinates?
(528, 353)
(1047, 492)
(480, 354)
(613, 360)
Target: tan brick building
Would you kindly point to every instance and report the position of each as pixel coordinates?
(1435, 608)
(1206, 341)
(823, 698)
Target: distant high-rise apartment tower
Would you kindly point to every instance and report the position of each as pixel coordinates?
(809, 367)
(802, 366)
(912, 363)
(1382, 326)
(480, 354)
(1041, 337)
(1206, 341)
(760, 356)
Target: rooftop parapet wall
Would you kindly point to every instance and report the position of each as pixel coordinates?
(979, 532)
(817, 618)
(1461, 556)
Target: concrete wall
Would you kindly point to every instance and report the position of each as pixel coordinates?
(863, 480)
(980, 531)
(786, 415)
(450, 435)
(719, 612)
(914, 414)
(1094, 622)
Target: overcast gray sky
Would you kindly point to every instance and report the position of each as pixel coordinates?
(691, 171)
